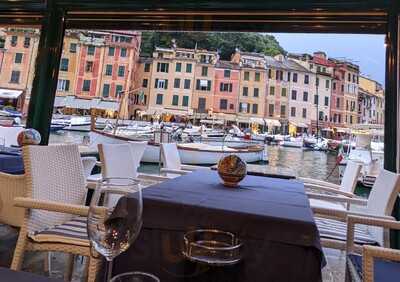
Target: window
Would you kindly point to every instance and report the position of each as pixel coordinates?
(271, 110)
(246, 75)
(202, 104)
(305, 96)
(175, 100)
(204, 71)
(292, 111)
(109, 70)
(294, 94)
(121, 71)
(27, 42)
(64, 64)
(321, 115)
(162, 67)
(316, 99)
(223, 104)
(227, 73)
(245, 91)
(306, 79)
(283, 92)
(177, 83)
(288, 76)
(90, 50)
(271, 90)
(86, 85)
(342, 88)
(188, 68)
(294, 77)
(145, 83)
(347, 105)
(327, 84)
(326, 101)
(146, 67)
(231, 107)
(256, 92)
(118, 91)
(106, 90)
(203, 84)
(283, 111)
(161, 83)
(14, 40)
(178, 67)
(337, 103)
(317, 81)
(334, 86)
(304, 113)
(123, 52)
(159, 99)
(225, 87)
(277, 75)
(186, 84)
(18, 58)
(257, 76)
(2, 42)
(269, 73)
(255, 109)
(63, 85)
(72, 48)
(349, 77)
(185, 101)
(111, 52)
(89, 66)
(15, 76)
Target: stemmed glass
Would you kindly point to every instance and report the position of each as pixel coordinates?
(115, 217)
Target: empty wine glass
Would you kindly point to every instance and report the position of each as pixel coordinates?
(115, 217)
(135, 277)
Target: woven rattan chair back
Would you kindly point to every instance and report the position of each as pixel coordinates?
(53, 173)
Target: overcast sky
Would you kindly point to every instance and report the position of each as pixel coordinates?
(367, 51)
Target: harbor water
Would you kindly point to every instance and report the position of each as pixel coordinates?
(305, 163)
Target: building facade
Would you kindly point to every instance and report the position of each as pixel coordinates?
(370, 102)
(226, 88)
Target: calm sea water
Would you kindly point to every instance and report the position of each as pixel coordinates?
(304, 163)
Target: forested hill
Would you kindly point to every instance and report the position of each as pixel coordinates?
(224, 42)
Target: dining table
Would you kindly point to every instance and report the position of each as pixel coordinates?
(8, 275)
(271, 216)
(11, 161)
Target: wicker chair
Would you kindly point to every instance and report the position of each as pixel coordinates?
(123, 160)
(11, 186)
(55, 219)
(172, 166)
(376, 264)
(331, 222)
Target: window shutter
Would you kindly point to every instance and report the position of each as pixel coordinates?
(230, 87)
(198, 84)
(156, 83)
(208, 85)
(248, 108)
(67, 85)
(166, 84)
(221, 87)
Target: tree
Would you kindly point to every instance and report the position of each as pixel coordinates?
(223, 42)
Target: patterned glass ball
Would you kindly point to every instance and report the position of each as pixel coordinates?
(232, 170)
(29, 136)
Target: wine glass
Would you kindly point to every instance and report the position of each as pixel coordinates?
(115, 217)
(135, 276)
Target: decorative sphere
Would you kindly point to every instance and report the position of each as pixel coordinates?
(232, 170)
(29, 136)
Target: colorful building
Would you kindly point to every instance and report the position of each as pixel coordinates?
(370, 102)
(337, 98)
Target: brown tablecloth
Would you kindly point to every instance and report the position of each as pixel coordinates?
(272, 217)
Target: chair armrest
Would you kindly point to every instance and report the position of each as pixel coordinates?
(352, 220)
(343, 214)
(98, 163)
(318, 182)
(371, 252)
(30, 203)
(329, 189)
(193, 167)
(174, 171)
(153, 177)
(12, 176)
(340, 199)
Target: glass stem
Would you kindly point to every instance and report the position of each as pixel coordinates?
(109, 270)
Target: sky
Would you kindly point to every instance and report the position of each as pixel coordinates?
(368, 51)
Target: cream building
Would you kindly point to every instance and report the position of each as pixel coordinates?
(371, 101)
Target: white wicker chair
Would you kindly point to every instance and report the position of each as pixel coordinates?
(346, 187)
(332, 222)
(362, 268)
(172, 165)
(11, 186)
(123, 160)
(55, 219)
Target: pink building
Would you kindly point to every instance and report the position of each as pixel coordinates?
(226, 91)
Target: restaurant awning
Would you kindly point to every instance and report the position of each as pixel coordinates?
(299, 124)
(327, 129)
(106, 105)
(342, 129)
(272, 122)
(59, 102)
(10, 93)
(211, 121)
(257, 120)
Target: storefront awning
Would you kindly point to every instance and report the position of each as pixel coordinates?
(210, 121)
(257, 120)
(272, 122)
(299, 124)
(9, 93)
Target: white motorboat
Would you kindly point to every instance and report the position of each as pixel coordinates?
(295, 142)
(73, 123)
(190, 153)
